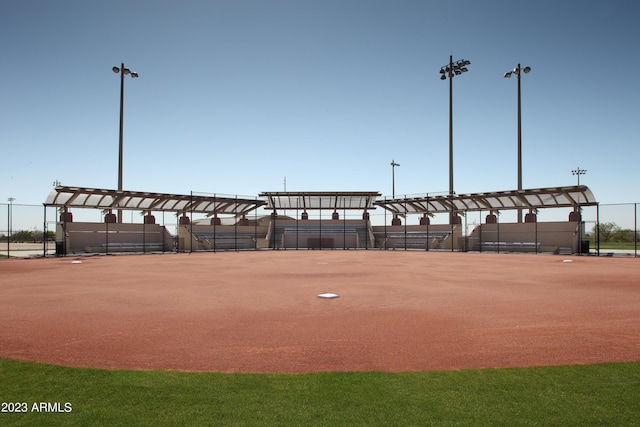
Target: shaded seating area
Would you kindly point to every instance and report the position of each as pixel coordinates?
(527, 236)
(318, 220)
(220, 238)
(92, 238)
(413, 239)
(113, 235)
(539, 237)
(314, 234)
(332, 232)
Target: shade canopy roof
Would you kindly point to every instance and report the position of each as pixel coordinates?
(555, 197)
(315, 200)
(95, 198)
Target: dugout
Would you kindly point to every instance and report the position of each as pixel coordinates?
(491, 235)
(114, 236)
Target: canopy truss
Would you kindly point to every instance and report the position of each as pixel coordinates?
(316, 200)
(555, 197)
(95, 198)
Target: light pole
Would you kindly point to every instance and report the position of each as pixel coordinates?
(578, 172)
(9, 213)
(451, 70)
(518, 72)
(393, 178)
(578, 214)
(122, 71)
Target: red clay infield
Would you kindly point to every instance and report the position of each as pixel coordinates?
(260, 311)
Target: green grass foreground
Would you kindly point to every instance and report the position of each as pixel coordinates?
(598, 395)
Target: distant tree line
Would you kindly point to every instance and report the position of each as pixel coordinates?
(612, 232)
(27, 236)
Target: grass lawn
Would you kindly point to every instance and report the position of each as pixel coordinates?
(604, 394)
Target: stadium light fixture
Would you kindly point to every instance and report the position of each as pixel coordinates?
(122, 70)
(578, 172)
(518, 72)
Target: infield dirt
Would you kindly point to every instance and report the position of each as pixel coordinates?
(260, 311)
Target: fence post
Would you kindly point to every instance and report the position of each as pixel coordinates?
(44, 232)
(144, 234)
(598, 227)
(344, 225)
(215, 220)
(498, 230)
(9, 229)
(385, 224)
(536, 225)
(320, 213)
(428, 223)
(406, 219)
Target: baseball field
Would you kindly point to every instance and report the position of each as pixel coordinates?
(461, 323)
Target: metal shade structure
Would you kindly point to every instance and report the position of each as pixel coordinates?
(317, 200)
(554, 197)
(95, 198)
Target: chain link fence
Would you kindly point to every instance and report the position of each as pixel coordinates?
(607, 230)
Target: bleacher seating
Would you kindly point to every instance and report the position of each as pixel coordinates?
(414, 239)
(133, 247)
(507, 246)
(223, 240)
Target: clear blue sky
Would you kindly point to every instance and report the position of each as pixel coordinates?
(235, 95)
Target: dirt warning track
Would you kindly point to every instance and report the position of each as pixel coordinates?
(260, 311)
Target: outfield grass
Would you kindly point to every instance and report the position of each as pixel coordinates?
(604, 394)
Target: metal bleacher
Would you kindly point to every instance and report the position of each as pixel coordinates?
(223, 240)
(414, 239)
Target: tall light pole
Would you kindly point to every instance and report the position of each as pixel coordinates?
(578, 172)
(451, 70)
(577, 215)
(518, 72)
(393, 178)
(122, 71)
